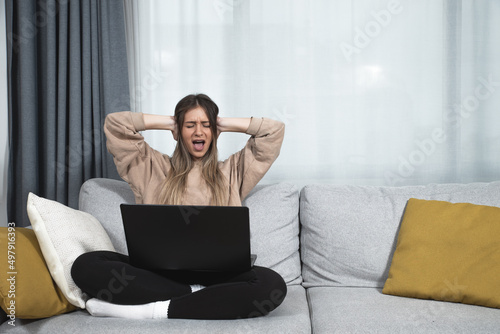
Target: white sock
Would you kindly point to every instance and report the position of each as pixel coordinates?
(196, 287)
(160, 310)
(154, 310)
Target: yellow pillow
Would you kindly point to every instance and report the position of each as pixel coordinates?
(27, 290)
(448, 252)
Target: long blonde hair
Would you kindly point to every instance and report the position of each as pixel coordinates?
(171, 191)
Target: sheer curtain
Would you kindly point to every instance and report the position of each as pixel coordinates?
(372, 92)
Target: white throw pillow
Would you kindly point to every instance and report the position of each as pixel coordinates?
(64, 234)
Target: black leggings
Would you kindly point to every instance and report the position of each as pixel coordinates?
(110, 277)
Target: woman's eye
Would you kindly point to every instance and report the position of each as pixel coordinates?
(206, 125)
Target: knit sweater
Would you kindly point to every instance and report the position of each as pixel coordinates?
(145, 168)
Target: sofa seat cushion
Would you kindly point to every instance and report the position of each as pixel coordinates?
(291, 317)
(349, 232)
(367, 310)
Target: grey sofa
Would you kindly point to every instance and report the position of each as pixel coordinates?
(333, 245)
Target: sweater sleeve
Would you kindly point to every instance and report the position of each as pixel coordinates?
(262, 148)
(136, 162)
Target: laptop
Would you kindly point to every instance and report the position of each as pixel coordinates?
(188, 238)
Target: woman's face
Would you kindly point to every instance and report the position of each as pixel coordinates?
(196, 132)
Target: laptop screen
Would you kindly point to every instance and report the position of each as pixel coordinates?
(181, 237)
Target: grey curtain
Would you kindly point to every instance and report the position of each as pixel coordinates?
(67, 69)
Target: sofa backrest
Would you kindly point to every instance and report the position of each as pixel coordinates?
(274, 229)
(349, 233)
(274, 221)
(102, 198)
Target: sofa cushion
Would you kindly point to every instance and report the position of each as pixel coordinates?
(274, 225)
(367, 310)
(64, 234)
(274, 229)
(102, 198)
(447, 251)
(290, 317)
(27, 283)
(349, 232)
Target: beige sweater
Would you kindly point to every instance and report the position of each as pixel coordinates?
(145, 168)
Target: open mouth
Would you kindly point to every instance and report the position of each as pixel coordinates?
(198, 145)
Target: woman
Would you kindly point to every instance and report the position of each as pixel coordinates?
(192, 176)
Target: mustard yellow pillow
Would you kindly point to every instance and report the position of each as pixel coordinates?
(448, 252)
(27, 290)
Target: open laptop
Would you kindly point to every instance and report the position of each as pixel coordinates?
(190, 238)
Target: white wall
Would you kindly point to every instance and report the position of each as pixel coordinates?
(4, 133)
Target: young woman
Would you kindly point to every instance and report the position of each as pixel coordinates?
(192, 176)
